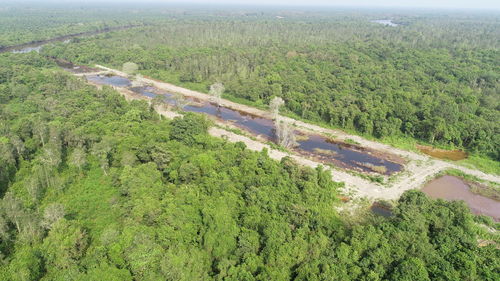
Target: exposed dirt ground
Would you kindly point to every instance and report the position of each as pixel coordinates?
(418, 169)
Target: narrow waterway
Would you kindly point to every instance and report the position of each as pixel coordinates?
(316, 146)
(453, 188)
(36, 46)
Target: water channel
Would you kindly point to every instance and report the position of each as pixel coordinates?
(337, 153)
(319, 147)
(36, 46)
(316, 146)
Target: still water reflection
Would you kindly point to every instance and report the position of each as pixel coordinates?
(453, 188)
(317, 146)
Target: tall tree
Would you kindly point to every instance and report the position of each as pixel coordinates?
(78, 158)
(274, 106)
(285, 135)
(158, 103)
(130, 68)
(216, 91)
(52, 213)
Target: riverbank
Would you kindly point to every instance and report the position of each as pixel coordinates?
(473, 161)
(38, 43)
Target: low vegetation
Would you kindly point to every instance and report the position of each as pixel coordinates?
(325, 151)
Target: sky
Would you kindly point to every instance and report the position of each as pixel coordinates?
(449, 4)
(459, 4)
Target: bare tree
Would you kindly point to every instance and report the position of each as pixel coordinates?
(275, 105)
(40, 129)
(216, 91)
(31, 230)
(50, 104)
(7, 156)
(26, 223)
(52, 214)
(34, 186)
(50, 159)
(180, 100)
(109, 235)
(18, 145)
(55, 136)
(102, 150)
(74, 138)
(4, 229)
(285, 135)
(78, 158)
(13, 209)
(128, 158)
(158, 102)
(139, 77)
(130, 68)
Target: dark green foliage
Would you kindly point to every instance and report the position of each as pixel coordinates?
(185, 129)
(95, 188)
(158, 200)
(411, 81)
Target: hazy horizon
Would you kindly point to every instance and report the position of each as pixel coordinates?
(429, 4)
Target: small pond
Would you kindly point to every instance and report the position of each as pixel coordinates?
(453, 155)
(454, 188)
(379, 209)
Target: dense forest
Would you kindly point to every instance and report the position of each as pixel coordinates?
(434, 78)
(96, 188)
(29, 22)
(93, 187)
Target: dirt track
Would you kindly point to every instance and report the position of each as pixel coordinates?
(418, 170)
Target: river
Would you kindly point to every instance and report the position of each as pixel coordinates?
(38, 45)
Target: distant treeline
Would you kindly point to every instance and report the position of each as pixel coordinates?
(434, 78)
(93, 187)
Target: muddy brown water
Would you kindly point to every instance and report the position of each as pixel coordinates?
(386, 22)
(453, 155)
(453, 188)
(316, 146)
